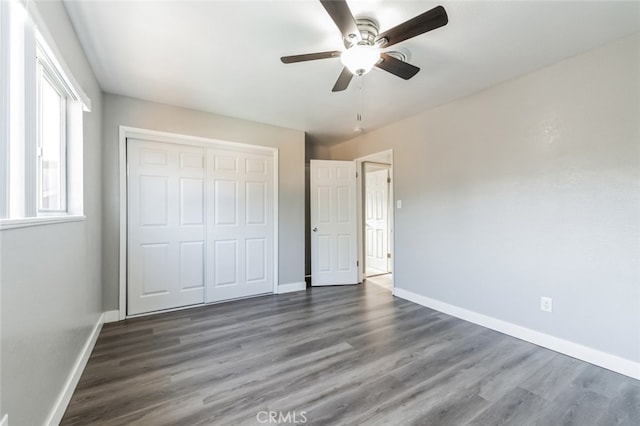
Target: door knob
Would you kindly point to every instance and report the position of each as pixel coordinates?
(315, 229)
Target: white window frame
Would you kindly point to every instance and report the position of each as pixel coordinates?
(4, 108)
(21, 60)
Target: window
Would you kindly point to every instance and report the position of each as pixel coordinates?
(52, 142)
(41, 112)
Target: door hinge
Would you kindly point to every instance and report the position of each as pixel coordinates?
(388, 255)
(357, 263)
(356, 174)
(388, 180)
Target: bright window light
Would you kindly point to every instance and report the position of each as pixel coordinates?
(51, 147)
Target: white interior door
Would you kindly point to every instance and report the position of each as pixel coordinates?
(377, 219)
(166, 226)
(240, 228)
(333, 222)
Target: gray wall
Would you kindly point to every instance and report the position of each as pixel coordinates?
(51, 275)
(119, 110)
(528, 189)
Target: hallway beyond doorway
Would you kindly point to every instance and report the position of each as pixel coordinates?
(384, 280)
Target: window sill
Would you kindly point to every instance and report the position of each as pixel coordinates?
(38, 221)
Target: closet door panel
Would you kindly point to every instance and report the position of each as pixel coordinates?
(240, 231)
(166, 229)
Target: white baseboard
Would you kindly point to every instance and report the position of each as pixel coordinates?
(575, 350)
(74, 376)
(290, 287)
(5, 420)
(111, 316)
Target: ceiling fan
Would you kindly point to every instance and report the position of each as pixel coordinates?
(364, 45)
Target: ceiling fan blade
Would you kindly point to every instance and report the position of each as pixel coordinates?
(397, 67)
(310, 57)
(430, 20)
(343, 80)
(342, 16)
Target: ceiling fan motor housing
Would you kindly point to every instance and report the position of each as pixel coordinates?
(368, 31)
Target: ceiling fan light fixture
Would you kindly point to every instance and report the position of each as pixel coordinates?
(364, 43)
(359, 59)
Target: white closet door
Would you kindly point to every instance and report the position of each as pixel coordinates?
(166, 226)
(240, 227)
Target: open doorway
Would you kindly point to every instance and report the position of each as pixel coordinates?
(376, 200)
(376, 218)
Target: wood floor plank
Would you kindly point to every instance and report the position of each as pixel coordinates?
(554, 377)
(624, 408)
(347, 355)
(518, 408)
(582, 407)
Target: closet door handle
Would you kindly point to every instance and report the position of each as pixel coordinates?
(315, 229)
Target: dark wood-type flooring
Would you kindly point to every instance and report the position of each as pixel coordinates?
(350, 355)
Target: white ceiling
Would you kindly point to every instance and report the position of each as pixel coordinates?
(224, 56)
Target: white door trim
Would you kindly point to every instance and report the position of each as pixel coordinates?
(361, 253)
(177, 138)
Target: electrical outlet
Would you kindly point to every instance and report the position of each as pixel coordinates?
(546, 304)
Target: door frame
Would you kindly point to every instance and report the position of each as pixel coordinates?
(375, 157)
(180, 139)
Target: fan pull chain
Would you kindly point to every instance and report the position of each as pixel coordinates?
(359, 126)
